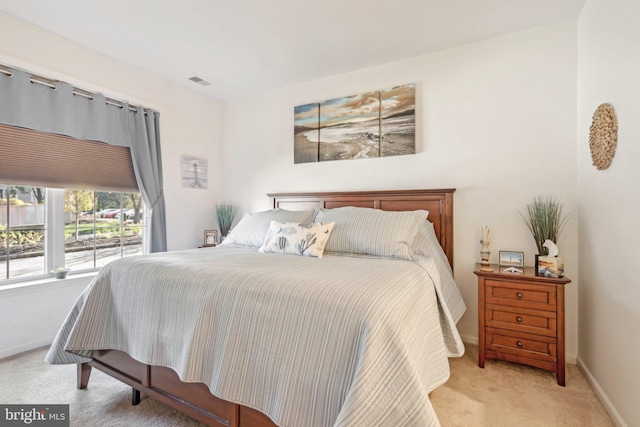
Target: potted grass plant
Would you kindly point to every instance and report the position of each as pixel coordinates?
(224, 214)
(545, 219)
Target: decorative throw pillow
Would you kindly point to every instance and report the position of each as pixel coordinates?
(253, 227)
(372, 231)
(297, 239)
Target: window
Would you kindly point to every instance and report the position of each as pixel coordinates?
(45, 228)
(22, 231)
(54, 190)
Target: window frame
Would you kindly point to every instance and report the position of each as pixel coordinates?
(54, 236)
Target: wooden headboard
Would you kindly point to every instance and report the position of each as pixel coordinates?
(439, 203)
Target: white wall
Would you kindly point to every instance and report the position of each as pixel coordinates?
(609, 303)
(31, 316)
(496, 120)
(189, 124)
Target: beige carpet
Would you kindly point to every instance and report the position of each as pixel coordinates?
(502, 394)
(508, 394)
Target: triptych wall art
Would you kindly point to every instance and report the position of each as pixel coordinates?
(373, 124)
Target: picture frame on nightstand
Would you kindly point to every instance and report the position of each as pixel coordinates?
(511, 259)
(210, 238)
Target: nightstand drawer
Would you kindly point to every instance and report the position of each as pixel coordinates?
(538, 297)
(522, 319)
(521, 345)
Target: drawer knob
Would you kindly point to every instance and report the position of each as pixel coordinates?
(519, 343)
(519, 294)
(519, 319)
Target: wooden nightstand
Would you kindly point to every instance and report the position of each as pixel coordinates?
(521, 319)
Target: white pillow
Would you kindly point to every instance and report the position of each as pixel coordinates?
(372, 231)
(253, 227)
(297, 239)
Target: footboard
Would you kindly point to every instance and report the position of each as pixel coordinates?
(163, 384)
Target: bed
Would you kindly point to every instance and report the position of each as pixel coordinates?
(237, 337)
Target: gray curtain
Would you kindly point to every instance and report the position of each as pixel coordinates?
(62, 109)
(147, 164)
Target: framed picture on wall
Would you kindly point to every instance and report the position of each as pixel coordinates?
(210, 238)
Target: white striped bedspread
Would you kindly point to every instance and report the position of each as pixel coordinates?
(311, 342)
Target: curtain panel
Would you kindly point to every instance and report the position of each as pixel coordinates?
(144, 130)
(50, 106)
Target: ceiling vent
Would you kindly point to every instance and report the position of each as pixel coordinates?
(199, 81)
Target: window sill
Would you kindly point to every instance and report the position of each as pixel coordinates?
(36, 285)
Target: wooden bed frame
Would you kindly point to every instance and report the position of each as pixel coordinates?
(195, 399)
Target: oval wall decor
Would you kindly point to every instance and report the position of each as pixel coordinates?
(603, 136)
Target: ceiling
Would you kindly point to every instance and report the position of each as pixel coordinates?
(246, 46)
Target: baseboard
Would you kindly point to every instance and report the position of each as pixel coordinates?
(608, 406)
(12, 351)
(468, 339)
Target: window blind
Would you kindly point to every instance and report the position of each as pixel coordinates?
(30, 157)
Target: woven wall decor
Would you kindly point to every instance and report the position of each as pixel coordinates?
(603, 136)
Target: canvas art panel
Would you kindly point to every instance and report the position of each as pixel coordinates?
(305, 133)
(367, 125)
(398, 120)
(194, 172)
(350, 127)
